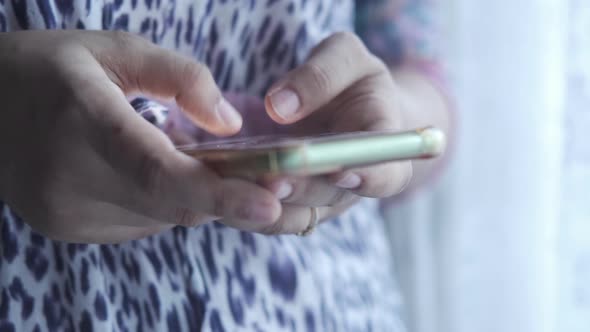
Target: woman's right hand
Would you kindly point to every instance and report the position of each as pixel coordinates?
(76, 161)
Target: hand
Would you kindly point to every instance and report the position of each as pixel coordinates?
(340, 88)
(78, 164)
(257, 123)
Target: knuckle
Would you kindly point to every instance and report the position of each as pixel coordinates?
(396, 183)
(197, 77)
(318, 76)
(308, 193)
(185, 217)
(356, 49)
(379, 65)
(353, 44)
(126, 39)
(194, 73)
(243, 212)
(339, 197)
(63, 50)
(151, 174)
(220, 202)
(275, 228)
(348, 38)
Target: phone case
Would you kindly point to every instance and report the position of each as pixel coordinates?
(316, 155)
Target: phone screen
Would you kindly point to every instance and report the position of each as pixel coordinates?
(272, 141)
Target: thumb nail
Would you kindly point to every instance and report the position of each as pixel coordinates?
(285, 103)
(228, 114)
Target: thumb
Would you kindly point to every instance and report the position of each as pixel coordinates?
(136, 65)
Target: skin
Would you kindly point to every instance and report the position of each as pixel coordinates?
(78, 164)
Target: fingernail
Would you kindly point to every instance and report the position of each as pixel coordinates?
(285, 102)
(350, 181)
(229, 114)
(284, 190)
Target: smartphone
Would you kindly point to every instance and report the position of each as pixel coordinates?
(322, 154)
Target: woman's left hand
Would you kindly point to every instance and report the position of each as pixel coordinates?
(342, 87)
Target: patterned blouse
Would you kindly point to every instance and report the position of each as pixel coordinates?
(213, 277)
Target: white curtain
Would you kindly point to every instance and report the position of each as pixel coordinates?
(502, 243)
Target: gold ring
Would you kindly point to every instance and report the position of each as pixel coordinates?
(312, 222)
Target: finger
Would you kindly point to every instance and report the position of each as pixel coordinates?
(135, 64)
(157, 180)
(377, 181)
(233, 200)
(335, 64)
(295, 219)
(97, 228)
(308, 191)
(179, 137)
(374, 106)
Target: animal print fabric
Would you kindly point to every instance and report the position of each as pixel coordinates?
(212, 277)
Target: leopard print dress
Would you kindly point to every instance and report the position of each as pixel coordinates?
(212, 277)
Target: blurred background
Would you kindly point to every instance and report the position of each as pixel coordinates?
(502, 242)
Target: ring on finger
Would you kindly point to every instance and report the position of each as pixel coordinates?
(312, 222)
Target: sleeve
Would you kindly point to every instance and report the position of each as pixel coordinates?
(402, 32)
(398, 30)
